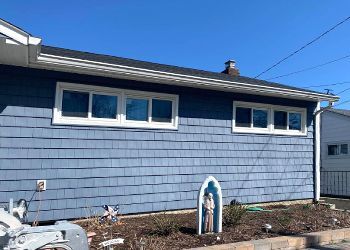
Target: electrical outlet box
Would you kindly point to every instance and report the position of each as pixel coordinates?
(41, 185)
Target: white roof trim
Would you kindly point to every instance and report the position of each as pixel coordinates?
(17, 34)
(75, 65)
(67, 64)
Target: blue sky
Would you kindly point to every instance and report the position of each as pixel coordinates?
(200, 34)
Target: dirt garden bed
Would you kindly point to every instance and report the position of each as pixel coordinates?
(292, 220)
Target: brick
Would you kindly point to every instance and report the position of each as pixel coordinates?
(323, 237)
(346, 234)
(296, 241)
(243, 246)
(279, 242)
(337, 235)
(312, 239)
(262, 244)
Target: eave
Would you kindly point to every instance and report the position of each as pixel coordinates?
(74, 65)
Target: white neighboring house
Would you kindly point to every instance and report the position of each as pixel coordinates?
(335, 154)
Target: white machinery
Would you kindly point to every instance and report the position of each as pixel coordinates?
(60, 236)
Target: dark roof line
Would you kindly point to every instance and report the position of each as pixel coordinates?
(344, 112)
(163, 67)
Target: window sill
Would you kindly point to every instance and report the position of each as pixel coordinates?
(268, 132)
(342, 156)
(115, 123)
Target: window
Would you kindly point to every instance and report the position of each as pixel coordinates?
(338, 149)
(268, 119)
(244, 117)
(161, 110)
(75, 104)
(294, 121)
(251, 118)
(260, 118)
(344, 149)
(333, 150)
(136, 109)
(104, 106)
(280, 119)
(78, 104)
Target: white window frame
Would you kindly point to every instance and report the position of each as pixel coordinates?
(270, 121)
(120, 120)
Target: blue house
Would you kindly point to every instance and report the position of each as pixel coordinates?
(108, 130)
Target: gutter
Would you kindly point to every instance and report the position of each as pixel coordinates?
(33, 57)
(74, 65)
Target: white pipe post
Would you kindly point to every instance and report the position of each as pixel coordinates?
(317, 148)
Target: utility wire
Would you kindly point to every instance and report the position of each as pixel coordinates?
(325, 85)
(303, 47)
(310, 68)
(342, 91)
(344, 102)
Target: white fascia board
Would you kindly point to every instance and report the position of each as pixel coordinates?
(34, 40)
(17, 34)
(66, 64)
(13, 32)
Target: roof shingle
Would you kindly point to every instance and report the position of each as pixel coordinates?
(162, 67)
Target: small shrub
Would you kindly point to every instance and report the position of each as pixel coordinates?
(233, 213)
(165, 224)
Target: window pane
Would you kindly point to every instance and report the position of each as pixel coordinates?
(259, 118)
(280, 120)
(136, 109)
(333, 150)
(243, 117)
(294, 121)
(344, 149)
(75, 104)
(161, 110)
(104, 106)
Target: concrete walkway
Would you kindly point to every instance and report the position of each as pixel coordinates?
(340, 203)
(339, 246)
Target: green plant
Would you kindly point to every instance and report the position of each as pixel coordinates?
(307, 206)
(284, 220)
(233, 213)
(165, 224)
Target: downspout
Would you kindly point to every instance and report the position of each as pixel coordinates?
(317, 148)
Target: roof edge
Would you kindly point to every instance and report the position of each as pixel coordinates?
(17, 34)
(68, 64)
(343, 112)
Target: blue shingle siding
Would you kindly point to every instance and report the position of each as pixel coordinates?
(141, 169)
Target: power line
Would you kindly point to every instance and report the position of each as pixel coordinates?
(343, 91)
(344, 102)
(303, 47)
(310, 68)
(325, 85)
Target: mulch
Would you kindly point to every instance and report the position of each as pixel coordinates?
(292, 220)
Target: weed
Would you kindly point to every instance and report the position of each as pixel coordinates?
(308, 206)
(284, 220)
